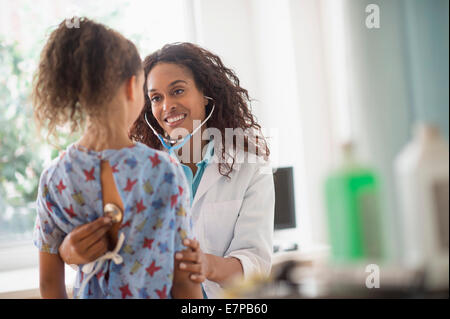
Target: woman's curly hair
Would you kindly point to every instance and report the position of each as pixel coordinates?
(216, 81)
(80, 68)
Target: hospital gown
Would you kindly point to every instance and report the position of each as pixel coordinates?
(156, 218)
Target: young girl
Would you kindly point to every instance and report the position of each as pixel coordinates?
(92, 76)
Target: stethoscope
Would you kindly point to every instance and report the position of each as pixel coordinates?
(171, 143)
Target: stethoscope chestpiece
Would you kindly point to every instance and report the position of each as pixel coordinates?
(112, 211)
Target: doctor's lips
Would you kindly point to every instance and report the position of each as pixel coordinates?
(174, 119)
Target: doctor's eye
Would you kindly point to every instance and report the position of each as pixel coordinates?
(178, 91)
(155, 99)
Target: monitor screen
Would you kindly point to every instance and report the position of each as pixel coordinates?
(284, 198)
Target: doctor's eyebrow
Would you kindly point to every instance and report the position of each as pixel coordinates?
(171, 84)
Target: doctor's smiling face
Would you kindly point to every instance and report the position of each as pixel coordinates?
(175, 99)
(178, 77)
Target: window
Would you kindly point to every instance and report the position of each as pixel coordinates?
(24, 27)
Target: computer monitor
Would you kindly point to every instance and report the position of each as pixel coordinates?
(283, 178)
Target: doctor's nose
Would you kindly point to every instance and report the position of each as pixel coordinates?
(168, 106)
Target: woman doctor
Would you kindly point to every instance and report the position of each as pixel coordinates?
(196, 110)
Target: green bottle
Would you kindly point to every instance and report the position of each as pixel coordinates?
(354, 220)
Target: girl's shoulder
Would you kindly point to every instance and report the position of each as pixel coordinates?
(148, 151)
(52, 180)
(52, 168)
(145, 162)
(156, 158)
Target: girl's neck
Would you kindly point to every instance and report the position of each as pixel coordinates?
(99, 139)
(92, 143)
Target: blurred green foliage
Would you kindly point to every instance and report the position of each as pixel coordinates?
(19, 167)
(22, 149)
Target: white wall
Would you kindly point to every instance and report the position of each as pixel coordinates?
(225, 28)
(322, 77)
(276, 49)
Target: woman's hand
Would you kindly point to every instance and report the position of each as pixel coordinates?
(194, 261)
(86, 242)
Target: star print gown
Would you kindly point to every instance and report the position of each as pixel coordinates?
(156, 219)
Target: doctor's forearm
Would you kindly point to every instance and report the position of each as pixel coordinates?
(223, 269)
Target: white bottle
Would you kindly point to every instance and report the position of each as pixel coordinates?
(422, 174)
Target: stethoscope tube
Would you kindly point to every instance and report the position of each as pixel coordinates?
(165, 141)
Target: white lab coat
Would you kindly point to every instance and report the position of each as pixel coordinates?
(234, 217)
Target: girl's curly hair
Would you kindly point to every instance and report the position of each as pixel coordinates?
(216, 81)
(80, 68)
